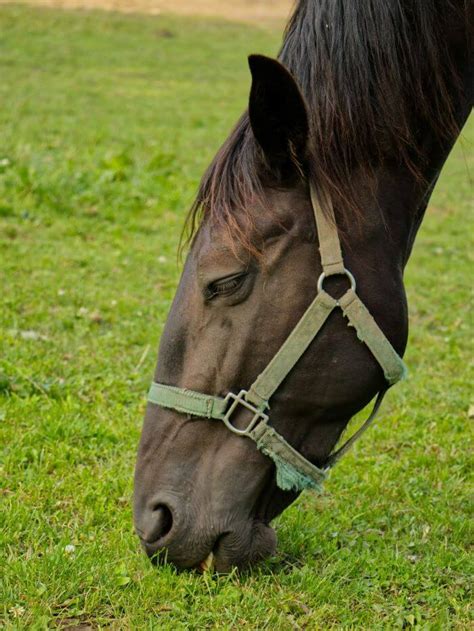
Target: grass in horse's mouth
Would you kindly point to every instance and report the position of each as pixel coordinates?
(208, 564)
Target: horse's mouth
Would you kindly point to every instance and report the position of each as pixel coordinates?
(232, 549)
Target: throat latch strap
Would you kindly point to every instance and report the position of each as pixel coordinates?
(293, 470)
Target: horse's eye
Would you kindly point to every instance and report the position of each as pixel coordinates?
(224, 286)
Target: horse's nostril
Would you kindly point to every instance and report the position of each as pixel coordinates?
(164, 519)
(159, 523)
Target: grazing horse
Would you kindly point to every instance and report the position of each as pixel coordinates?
(351, 125)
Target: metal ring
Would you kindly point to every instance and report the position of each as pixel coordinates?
(346, 272)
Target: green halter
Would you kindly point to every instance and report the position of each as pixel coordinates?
(293, 471)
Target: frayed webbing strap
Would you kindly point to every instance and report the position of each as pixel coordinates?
(369, 332)
(187, 401)
(293, 471)
(288, 478)
(337, 455)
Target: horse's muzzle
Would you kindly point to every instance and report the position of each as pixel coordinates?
(169, 534)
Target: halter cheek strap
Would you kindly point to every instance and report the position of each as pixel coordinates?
(294, 471)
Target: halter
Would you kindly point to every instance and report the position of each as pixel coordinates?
(294, 471)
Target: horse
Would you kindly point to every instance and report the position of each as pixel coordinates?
(351, 124)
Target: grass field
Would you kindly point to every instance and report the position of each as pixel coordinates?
(106, 123)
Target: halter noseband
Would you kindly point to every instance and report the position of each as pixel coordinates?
(293, 471)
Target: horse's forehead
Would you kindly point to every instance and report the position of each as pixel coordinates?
(214, 245)
(282, 212)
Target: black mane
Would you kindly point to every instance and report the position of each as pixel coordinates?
(374, 73)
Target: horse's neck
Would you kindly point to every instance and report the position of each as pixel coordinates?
(404, 196)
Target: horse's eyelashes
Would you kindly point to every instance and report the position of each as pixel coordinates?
(224, 286)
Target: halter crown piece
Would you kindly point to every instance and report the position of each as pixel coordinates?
(293, 471)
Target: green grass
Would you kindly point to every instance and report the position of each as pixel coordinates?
(106, 123)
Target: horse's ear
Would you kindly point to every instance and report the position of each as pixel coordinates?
(278, 113)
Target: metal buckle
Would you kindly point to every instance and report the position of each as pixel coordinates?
(258, 415)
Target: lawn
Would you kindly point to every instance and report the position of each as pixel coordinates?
(106, 123)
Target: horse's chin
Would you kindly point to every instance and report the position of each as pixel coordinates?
(241, 548)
